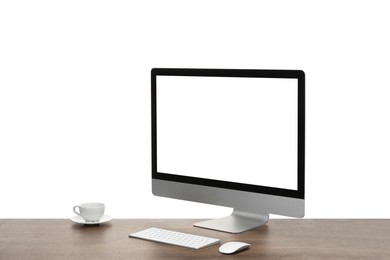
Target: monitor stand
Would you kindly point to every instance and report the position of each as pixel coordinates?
(237, 222)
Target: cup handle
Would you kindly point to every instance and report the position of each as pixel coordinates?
(74, 210)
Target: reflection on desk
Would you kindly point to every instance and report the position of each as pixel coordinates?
(287, 239)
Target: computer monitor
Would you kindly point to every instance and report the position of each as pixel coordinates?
(233, 138)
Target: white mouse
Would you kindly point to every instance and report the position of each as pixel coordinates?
(233, 247)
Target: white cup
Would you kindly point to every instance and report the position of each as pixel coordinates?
(91, 212)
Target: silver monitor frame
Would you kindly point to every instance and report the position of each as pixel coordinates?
(252, 204)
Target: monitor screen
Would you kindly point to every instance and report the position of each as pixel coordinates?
(241, 130)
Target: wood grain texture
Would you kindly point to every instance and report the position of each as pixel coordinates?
(279, 239)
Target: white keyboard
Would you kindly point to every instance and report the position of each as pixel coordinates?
(175, 238)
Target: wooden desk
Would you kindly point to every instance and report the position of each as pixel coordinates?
(279, 239)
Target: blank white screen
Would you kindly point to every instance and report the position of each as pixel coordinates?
(232, 129)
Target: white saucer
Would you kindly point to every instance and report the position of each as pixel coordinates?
(80, 220)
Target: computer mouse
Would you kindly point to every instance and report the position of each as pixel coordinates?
(233, 247)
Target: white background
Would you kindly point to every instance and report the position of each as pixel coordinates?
(75, 97)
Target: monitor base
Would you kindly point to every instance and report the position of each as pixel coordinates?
(237, 222)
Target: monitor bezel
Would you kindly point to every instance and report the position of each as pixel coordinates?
(253, 73)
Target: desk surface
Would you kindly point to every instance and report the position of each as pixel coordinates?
(279, 239)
